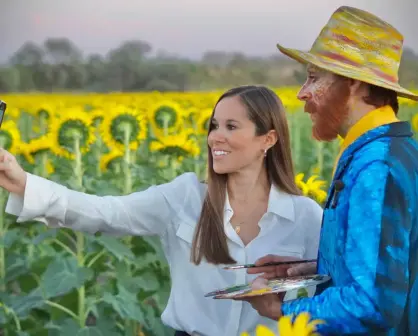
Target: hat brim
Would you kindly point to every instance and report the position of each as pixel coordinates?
(345, 70)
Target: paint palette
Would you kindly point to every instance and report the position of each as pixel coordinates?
(273, 286)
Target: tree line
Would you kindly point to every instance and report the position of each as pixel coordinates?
(59, 65)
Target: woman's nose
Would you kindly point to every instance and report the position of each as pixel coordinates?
(217, 135)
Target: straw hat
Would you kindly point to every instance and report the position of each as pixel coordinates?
(358, 45)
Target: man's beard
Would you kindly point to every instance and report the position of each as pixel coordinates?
(330, 112)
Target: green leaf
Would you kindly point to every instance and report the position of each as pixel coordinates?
(16, 265)
(23, 304)
(91, 331)
(67, 327)
(105, 323)
(50, 233)
(125, 304)
(3, 317)
(63, 275)
(10, 237)
(116, 247)
(147, 282)
(155, 243)
(155, 325)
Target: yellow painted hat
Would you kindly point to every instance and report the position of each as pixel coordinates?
(358, 45)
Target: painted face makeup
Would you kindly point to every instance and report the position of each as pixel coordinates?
(326, 97)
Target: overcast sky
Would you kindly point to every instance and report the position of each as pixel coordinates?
(187, 27)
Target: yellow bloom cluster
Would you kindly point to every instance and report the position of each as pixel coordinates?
(115, 126)
(302, 326)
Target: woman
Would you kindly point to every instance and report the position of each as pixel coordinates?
(250, 207)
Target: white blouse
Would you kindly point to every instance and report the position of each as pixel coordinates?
(290, 227)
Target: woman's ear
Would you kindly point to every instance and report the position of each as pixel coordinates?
(270, 139)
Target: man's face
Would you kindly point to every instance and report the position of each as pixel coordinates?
(326, 96)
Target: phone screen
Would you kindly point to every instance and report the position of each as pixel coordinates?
(2, 110)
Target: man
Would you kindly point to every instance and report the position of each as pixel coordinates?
(369, 243)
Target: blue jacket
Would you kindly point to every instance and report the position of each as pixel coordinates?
(369, 242)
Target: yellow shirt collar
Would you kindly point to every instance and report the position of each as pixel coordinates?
(378, 117)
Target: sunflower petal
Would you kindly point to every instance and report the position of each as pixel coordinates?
(311, 327)
(285, 326)
(262, 330)
(301, 323)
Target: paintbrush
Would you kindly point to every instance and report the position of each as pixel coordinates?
(277, 263)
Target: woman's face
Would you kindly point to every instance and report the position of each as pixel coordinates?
(232, 140)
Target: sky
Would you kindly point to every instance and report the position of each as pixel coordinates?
(187, 27)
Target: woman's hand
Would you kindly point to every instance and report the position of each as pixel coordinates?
(12, 175)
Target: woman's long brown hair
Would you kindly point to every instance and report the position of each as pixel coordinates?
(266, 110)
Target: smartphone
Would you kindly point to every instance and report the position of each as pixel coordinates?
(3, 106)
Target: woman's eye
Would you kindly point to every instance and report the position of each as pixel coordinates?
(231, 127)
(213, 126)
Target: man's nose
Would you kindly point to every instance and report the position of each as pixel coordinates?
(304, 95)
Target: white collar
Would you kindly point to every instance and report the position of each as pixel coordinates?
(279, 203)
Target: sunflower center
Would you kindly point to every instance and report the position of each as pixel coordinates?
(122, 125)
(165, 117)
(70, 131)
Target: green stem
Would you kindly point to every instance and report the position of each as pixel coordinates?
(43, 124)
(81, 290)
(320, 157)
(69, 237)
(166, 119)
(78, 170)
(9, 311)
(3, 231)
(95, 258)
(62, 308)
(65, 247)
(44, 163)
(197, 168)
(127, 161)
(127, 178)
(98, 151)
(297, 144)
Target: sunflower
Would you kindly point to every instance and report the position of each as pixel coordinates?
(415, 122)
(10, 137)
(73, 124)
(50, 169)
(301, 184)
(302, 326)
(315, 188)
(181, 144)
(35, 146)
(97, 114)
(109, 159)
(45, 110)
(203, 121)
(312, 187)
(289, 99)
(165, 117)
(122, 121)
(13, 112)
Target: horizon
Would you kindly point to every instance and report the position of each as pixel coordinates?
(221, 25)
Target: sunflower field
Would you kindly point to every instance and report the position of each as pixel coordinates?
(60, 282)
